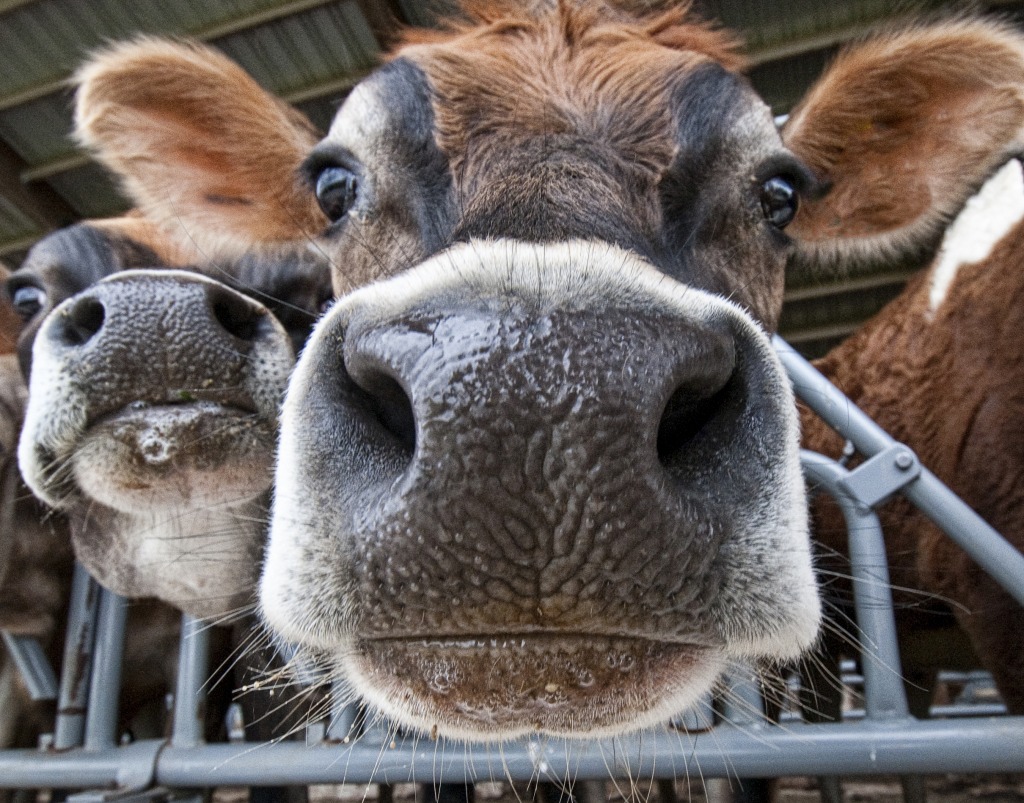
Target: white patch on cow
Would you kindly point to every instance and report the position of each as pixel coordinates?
(360, 119)
(204, 561)
(984, 221)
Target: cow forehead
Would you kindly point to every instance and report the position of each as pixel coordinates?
(644, 119)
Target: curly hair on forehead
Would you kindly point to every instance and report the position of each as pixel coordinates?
(673, 25)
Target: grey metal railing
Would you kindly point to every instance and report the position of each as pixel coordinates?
(737, 741)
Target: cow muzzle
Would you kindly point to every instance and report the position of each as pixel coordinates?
(538, 487)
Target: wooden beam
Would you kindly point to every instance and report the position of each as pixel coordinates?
(38, 202)
(218, 31)
(857, 284)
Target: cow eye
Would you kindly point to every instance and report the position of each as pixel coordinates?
(28, 300)
(779, 201)
(336, 189)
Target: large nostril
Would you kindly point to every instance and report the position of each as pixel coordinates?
(711, 394)
(237, 315)
(389, 404)
(686, 414)
(82, 321)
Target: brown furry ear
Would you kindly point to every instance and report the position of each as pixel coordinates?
(198, 145)
(902, 129)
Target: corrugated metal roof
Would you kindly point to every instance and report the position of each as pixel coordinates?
(312, 51)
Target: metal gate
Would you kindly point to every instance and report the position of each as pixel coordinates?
(83, 751)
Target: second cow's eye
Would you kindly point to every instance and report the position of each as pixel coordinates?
(779, 201)
(28, 300)
(336, 189)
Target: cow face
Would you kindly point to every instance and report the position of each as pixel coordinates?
(552, 456)
(538, 467)
(153, 410)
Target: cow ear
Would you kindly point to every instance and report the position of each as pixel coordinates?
(901, 130)
(198, 145)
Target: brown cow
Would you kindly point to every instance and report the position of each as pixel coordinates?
(939, 368)
(541, 473)
(189, 520)
(153, 402)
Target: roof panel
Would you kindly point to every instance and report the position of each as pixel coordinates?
(306, 49)
(39, 131)
(44, 41)
(90, 190)
(311, 50)
(13, 223)
(782, 23)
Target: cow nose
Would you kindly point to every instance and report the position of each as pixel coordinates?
(576, 449)
(213, 310)
(450, 381)
(82, 322)
(526, 467)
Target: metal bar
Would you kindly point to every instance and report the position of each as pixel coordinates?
(190, 694)
(74, 679)
(906, 746)
(105, 684)
(867, 748)
(343, 714)
(884, 694)
(976, 537)
(979, 540)
(30, 659)
(743, 704)
(130, 767)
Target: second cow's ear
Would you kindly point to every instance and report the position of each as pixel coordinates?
(198, 145)
(901, 130)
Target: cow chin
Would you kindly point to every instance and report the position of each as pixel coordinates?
(164, 457)
(577, 686)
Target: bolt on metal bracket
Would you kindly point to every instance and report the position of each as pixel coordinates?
(878, 478)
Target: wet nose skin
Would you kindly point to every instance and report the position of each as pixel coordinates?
(146, 356)
(506, 456)
(161, 338)
(536, 469)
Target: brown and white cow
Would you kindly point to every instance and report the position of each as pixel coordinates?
(940, 369)
(540, 472)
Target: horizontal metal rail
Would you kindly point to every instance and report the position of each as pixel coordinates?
(905, 746)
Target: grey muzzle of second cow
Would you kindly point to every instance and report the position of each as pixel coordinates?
(140, 340)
